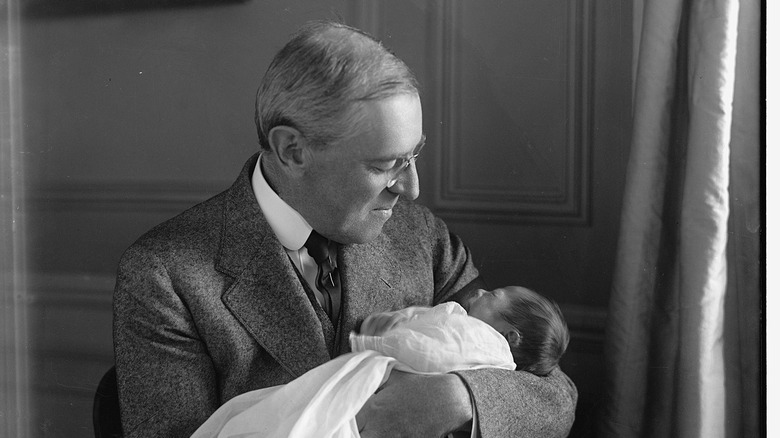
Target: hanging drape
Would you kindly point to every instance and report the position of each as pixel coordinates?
(683, 341)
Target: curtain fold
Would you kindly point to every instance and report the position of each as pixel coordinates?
(682, 329)
(745, 311)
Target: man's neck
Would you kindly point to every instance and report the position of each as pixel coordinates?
(269, 174)
(285, 188)
(288, 224)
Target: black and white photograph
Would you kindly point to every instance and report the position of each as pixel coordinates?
(385, 218)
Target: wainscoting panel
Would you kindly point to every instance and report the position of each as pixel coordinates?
(71, 347)
(514, 105)
(86, 226)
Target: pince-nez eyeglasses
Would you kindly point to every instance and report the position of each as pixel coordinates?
(403, 163)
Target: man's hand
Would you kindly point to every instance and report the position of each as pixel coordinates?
(414, 405)
(378, 323)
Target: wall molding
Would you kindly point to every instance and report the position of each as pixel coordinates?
(569, 203)
(95, 292)
(154, 196)
(67, 363)
(70, 290)
(63, 293)
(587, 326)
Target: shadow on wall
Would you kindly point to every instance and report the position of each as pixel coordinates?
(56, 8)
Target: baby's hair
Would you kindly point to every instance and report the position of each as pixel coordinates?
(540, 322)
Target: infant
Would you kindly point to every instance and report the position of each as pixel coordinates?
(508, 328)
(533, 326)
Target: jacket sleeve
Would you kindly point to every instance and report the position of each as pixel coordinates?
(165, 377)
(520, 404)
(508, 403)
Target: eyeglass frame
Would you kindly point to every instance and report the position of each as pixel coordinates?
(405, 163)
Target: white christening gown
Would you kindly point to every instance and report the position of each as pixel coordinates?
(323, 402)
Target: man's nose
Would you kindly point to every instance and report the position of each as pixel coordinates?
(408, 183)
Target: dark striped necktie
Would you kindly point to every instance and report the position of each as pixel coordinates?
(328, 282)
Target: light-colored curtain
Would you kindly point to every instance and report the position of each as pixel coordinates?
(683, 339)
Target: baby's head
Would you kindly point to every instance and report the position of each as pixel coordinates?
(532, 324)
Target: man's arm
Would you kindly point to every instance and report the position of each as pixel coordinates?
(508, 403)
(165, 376)
(430, 406)
(520, 404)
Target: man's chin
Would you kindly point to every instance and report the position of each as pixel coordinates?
(365, 234)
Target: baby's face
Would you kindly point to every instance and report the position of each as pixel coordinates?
(487, 306)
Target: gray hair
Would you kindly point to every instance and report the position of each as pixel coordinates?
(317, 81)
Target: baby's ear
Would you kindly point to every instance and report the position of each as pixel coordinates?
(513, 337)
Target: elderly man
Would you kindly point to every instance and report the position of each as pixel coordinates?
(264, 282)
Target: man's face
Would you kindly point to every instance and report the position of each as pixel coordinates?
(347, 198)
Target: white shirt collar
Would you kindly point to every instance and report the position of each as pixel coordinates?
(290, 227)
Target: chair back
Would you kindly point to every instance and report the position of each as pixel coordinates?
(105, 408)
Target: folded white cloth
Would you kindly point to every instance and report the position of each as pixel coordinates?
(323, 402)
(439, 339)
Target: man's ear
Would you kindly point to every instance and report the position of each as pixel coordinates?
(287, 147)
(514, 338)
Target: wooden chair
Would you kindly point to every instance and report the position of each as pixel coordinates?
(105, 408)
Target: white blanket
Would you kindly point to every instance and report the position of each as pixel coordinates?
(323, 402)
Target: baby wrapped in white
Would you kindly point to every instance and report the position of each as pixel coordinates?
(324, 401)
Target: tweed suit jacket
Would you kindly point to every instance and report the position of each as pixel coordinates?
(207, 306)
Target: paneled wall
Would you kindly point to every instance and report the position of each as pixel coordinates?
(131, 116)
(527, 114)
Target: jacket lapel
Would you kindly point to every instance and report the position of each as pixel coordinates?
(266, 297)
(368, 276)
